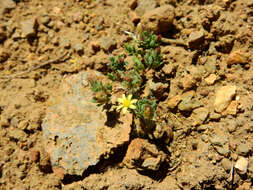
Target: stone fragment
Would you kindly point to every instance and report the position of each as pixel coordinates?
(243, 149)
(241, 165)
(173, 102)
(35, 155)
(237, 57)
(142, 155)
(76, 132)
(107, 43)
(168, 69)
(211, 79)
(232, 108)
(144, 6)
(79, 48)
(199, 116)
(226, 164)
(223, 97)
(223, 151)
(6, 6)
(188, 102)
(29, 27)
(218, 140)
(196, 39)
(159, 20)
(188, 82)
(45, 20)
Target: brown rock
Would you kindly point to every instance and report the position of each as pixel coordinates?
(35, 155)
(196, 39)
(173, 102)
(159, 20)
(237, 57)
(232, 108)
(188, 82)
(142, 155)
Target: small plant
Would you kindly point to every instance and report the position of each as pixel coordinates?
(146, 55)
(102, 92)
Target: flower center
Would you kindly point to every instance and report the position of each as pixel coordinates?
(126, 103)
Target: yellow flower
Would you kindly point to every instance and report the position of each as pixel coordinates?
(126, 102)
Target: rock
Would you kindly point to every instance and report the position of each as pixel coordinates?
(79, 48)
(45, 20)
(241, 165)
(243, 149)
(3, 55)
(107, 43)
(29, 27)
(158, 20)
(3, 35)
(199, 116)
(237, 57)
(188, 82)
(196, 39)
(245, 185)
(142, 155)
(76, 132)
(6, 6)
(35, 155)
(226, 164)
(77, 17)
(232, 108)
(223, 151)
(210, 80)
(188, 102)
(132, 4)
(173, 102)
(218, 140)
(143, 6)
(223, 97)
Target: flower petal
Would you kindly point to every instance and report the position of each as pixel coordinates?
(123, 96)
(120, 100)
(124, 110)
(119, 107)
(132, 106)
(129, 97)
(133, 101)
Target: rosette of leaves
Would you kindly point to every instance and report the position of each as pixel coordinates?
(132, 81)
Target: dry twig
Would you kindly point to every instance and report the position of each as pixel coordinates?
(60, 58)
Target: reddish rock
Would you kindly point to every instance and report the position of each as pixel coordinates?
(35, 155)
(188, 82)
(142, 155)
(59, 172)
(237, 57)
(211, 79)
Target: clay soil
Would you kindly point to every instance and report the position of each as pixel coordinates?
(63, 37)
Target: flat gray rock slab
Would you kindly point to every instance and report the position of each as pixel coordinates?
(74, 130)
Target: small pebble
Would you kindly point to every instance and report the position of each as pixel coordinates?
(241, 165)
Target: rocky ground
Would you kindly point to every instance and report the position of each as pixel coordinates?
(53, 137)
